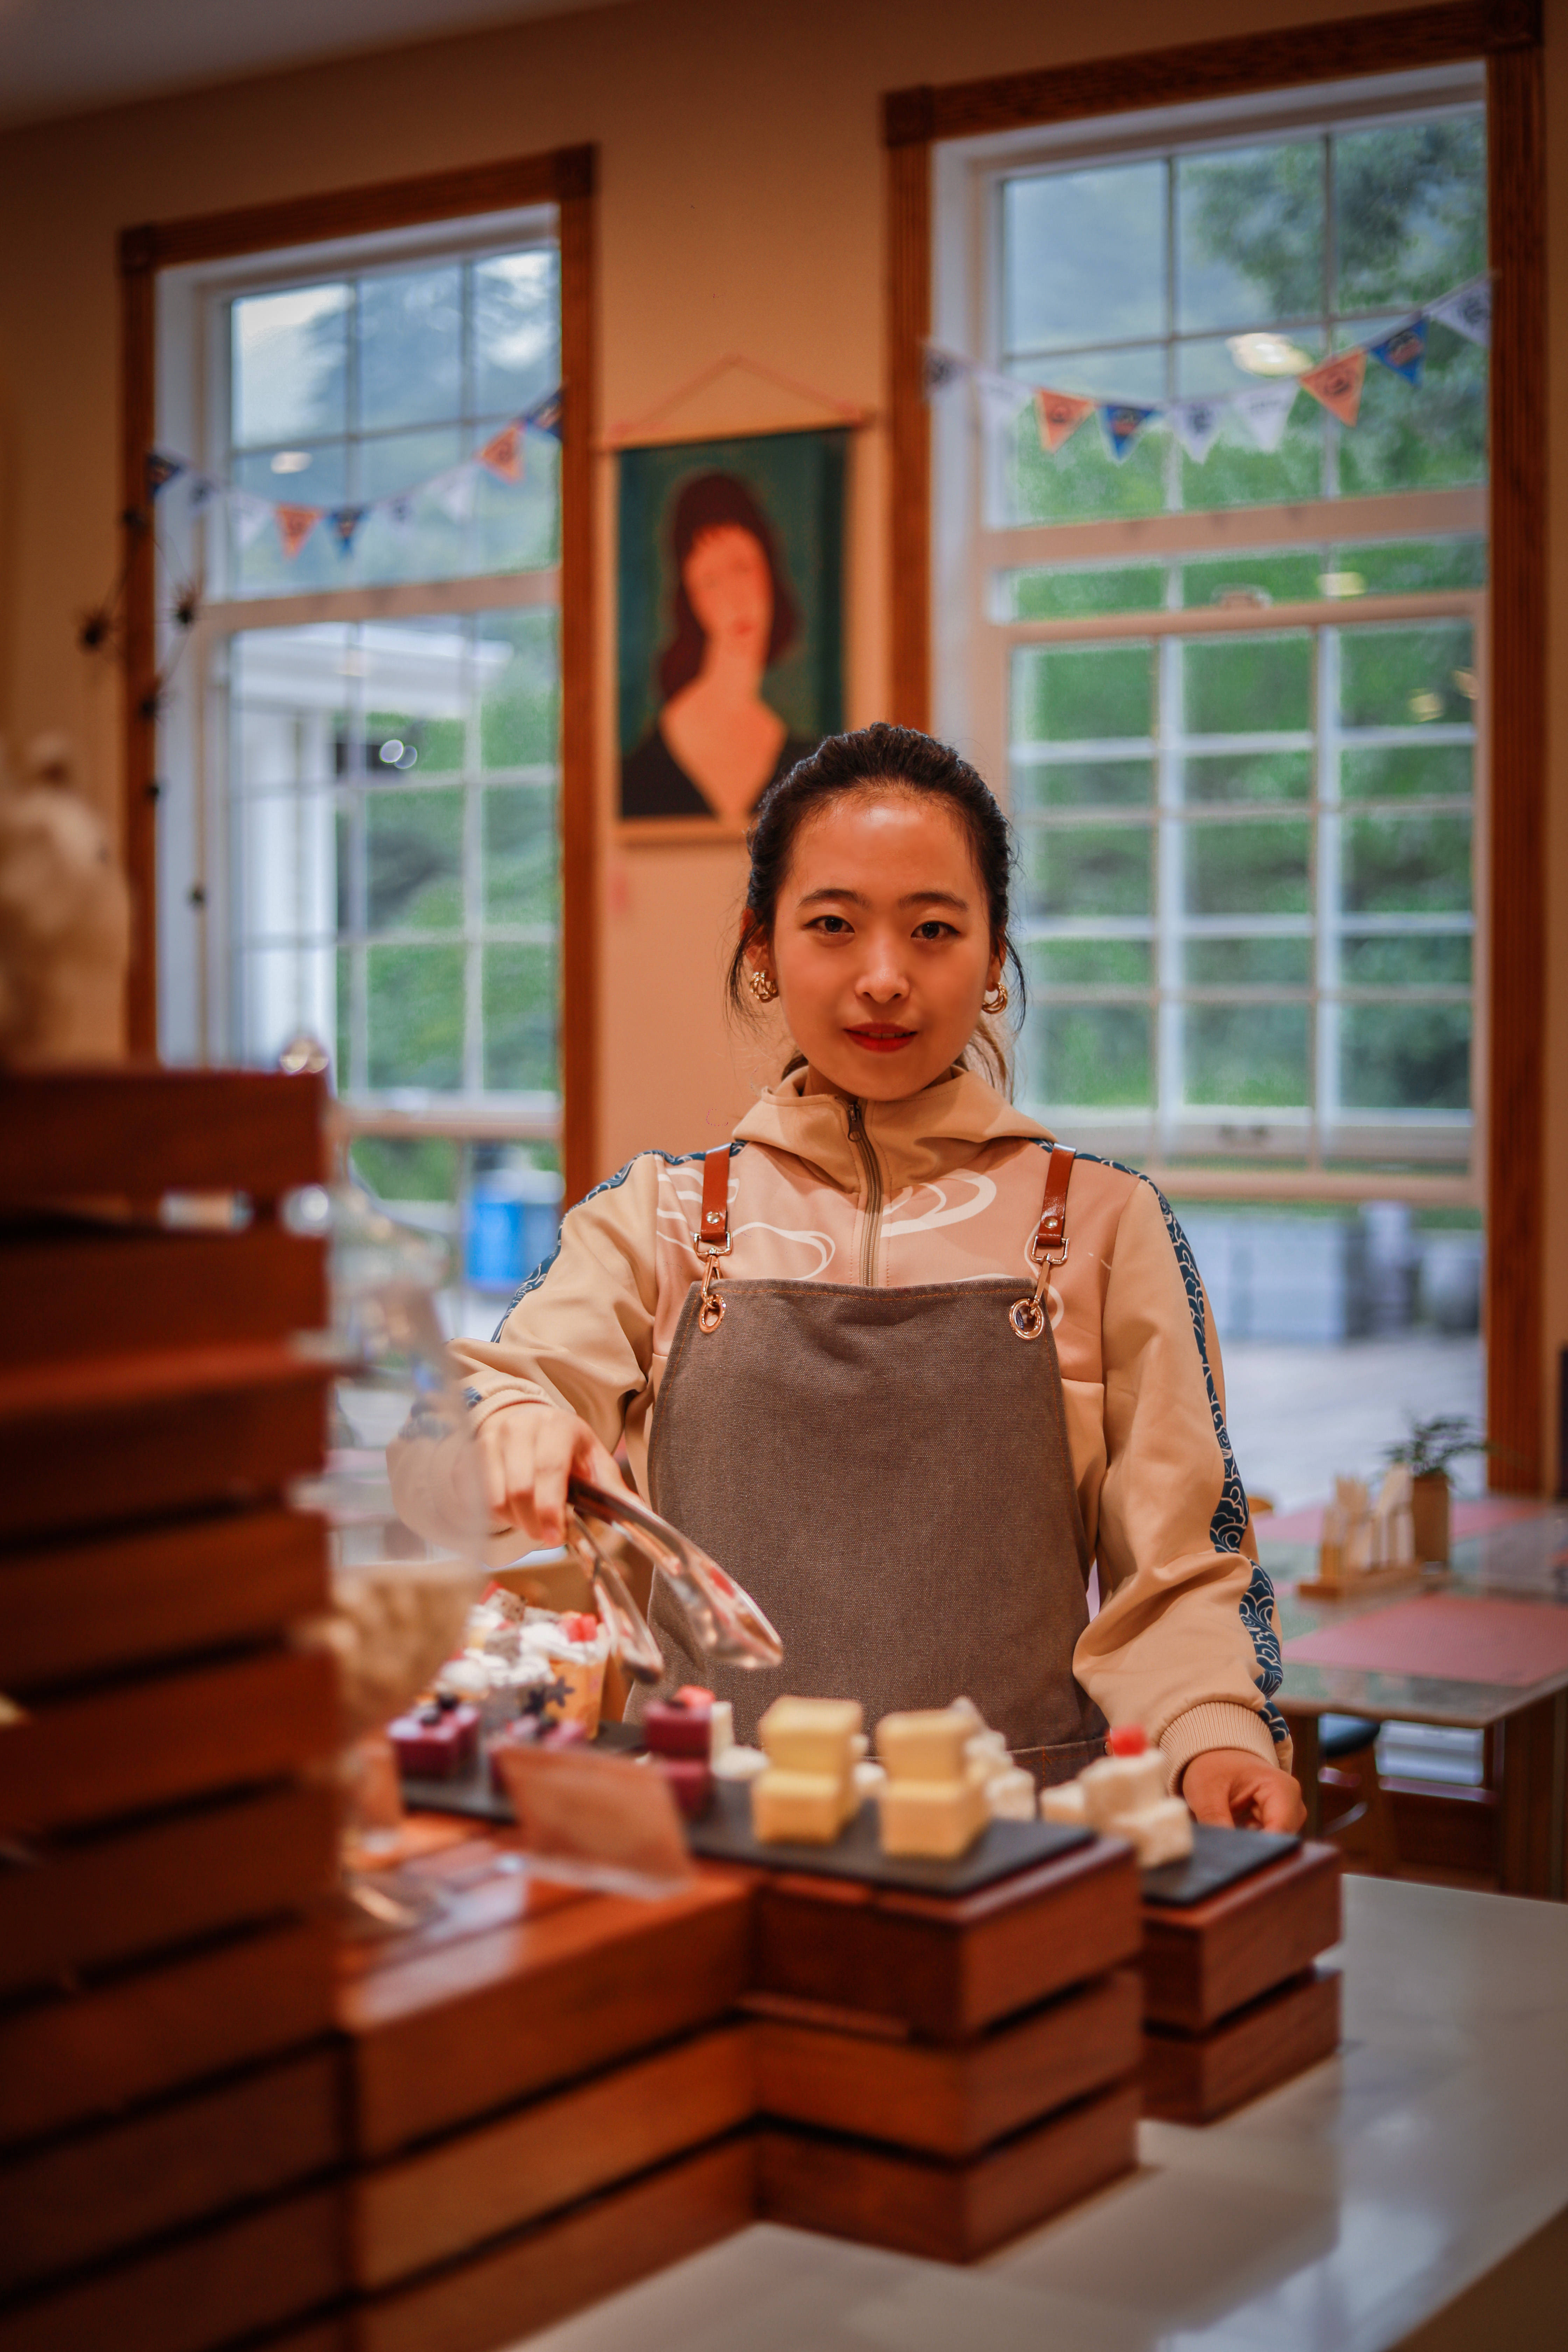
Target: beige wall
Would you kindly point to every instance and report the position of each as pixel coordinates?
(741, 209)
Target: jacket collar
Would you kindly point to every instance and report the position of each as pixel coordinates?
(923, 1137)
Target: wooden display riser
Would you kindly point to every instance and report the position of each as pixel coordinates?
(1202, 1962)
(948, 1967)
(1234, 2004)
(947, 2212)
(1194, 2078)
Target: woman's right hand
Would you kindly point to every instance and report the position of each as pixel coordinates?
(527, 1454)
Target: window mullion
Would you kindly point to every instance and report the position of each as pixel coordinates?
(1170, 862)
(1326, 899)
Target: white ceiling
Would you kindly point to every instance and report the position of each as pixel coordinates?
(63, 56)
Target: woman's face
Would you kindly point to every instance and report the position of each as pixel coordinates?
(730, 589)
(881, 944)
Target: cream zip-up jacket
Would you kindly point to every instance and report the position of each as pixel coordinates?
(943, 1186)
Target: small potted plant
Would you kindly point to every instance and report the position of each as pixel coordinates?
(1429, 1448)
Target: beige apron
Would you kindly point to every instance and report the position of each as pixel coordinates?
(887, 1471)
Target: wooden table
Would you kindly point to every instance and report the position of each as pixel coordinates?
(1424, 2171)
(1528, 1724)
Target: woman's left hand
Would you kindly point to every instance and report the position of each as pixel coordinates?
(1236, 1790)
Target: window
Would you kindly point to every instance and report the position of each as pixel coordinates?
(362, 840)
(1236, 701)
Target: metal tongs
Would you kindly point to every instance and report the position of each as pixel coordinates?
(724, 1618)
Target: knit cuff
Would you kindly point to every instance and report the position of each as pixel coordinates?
(1218, 1724)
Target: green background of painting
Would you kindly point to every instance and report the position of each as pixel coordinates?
(797, 478)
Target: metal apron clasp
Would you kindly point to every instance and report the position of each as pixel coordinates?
(1049, 1246)
(711, 1240)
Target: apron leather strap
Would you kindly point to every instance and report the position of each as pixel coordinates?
(1050, 1242)
(711, 1239)
(713, 1231)
(1049, 1246)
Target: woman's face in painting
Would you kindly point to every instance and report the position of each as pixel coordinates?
(881, 944)
(730, 589)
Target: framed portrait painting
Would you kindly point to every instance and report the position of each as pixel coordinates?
(730, 659)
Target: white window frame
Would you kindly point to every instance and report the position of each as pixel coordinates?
(973, 649)
(198, 943)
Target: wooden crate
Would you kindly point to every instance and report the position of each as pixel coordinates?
(1200, 1963)
(1194, 2078)
(946, 2211)
(944, 2098)
(949, 1967)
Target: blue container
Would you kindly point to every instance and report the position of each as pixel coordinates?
(514, 1218)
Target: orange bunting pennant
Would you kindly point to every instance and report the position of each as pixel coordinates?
(1061, 414)
(502, 453)
(1337, 383)
(295, 525)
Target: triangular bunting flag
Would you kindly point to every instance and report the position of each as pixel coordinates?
(162, 470)
(1337, 383)
(938, 369)
(454, 491)
(999, 401)
(1265, 410)
(1195, 424)
(502, 453)
(1404, 350)
(202, 488)
(250, 516)
(343, 522)
(1060, 413)
(295, 525)
(399, 511)
(1468, 310)
(545, 415)
(1121, 422)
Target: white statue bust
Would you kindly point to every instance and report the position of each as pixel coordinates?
(65, 919)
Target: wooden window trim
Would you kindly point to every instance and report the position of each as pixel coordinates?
(1507, 35)
(565, 178)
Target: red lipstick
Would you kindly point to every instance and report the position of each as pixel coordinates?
(880, 1037)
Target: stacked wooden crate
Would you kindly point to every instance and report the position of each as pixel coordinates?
(168, 2089)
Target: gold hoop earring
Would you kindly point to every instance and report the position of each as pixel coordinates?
(763, 985)
(995, 999)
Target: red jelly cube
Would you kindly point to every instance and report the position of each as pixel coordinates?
(671, 1729)
(1128, 1740)
(438, 1743)
(689, 1783)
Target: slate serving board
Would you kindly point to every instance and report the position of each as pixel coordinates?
(1218, 1858)
(724, 1835)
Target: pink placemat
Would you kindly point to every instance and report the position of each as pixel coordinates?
(1447, 1636)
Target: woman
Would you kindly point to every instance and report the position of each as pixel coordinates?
(717, 744)
(910, 1366)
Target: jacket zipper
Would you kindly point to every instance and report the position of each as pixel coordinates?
(872, 1233)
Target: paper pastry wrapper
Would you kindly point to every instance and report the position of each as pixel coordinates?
(585, 1681)
(596, 1820)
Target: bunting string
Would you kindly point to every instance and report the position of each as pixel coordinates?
(1262, 405)
(502, 457)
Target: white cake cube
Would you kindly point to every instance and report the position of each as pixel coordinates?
(811, 1735)
(924, 1745)
(939, 1818)
(1065, 1803)
(1162, 1832)
(1010, 1795)
(797, 1807)
(738, 1763)
(720, 1728)
(1122, 1784)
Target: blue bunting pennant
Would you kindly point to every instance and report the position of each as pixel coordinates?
(1121, 422)
(1404, 350)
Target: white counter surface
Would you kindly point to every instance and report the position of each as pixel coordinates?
(1333, 2216)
